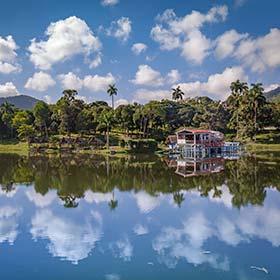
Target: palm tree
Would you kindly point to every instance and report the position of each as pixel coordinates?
(178, 198)
(177, 93)
(237, 91)
(107, 118)
(112, 90)
(258, 100)
(113, 203)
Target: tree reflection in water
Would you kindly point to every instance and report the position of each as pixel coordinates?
(71, 176)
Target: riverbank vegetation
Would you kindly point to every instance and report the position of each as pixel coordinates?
(71, 122)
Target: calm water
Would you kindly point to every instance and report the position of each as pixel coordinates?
(149, 218)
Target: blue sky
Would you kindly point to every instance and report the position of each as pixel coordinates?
(145, 47)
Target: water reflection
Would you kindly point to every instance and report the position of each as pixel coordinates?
(141, 216)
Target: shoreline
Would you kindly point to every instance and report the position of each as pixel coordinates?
(21, 148)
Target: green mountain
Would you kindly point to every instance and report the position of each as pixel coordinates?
(20, 101)
(273, 95)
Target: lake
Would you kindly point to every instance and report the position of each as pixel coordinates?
(88, 217)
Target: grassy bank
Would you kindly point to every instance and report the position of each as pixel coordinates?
(13, 147)
(257, 147)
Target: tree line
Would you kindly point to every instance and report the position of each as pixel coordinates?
(244, 113)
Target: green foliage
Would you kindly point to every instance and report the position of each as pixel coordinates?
(245, 113)
(142, 146)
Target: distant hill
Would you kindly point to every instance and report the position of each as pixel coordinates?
(20, 101)
(273, 95)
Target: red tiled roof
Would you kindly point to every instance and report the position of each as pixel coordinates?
(195, 130)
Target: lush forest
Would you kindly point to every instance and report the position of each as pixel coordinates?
(244, 113)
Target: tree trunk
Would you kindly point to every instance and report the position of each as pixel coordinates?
(107, 140)
(255, 121)
(113, 102)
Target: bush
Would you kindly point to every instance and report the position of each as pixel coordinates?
(142, 145)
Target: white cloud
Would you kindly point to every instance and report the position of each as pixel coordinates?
(95, 197)
(121, 102)
(144, 95)
(226, 43)
(109, 2)
(48, 99)
(8, 89)
(122, 249)
(147, 76)
(258, 54)
(39, 199)
(96, 61)
(70, 80)
(139, 48)
(217, 85)
(173, 76)
(40, 82)
(167, 40)
(184, 33)
(271, 87)
(69, 239)
(94, 83)
(140, 229)
(196, 47)
(145, 202)
(9, 224)
(98, 83)
(66, 38)
(187, 242)
(120, 29)
(8, 55)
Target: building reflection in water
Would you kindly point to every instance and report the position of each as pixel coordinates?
(189, 167)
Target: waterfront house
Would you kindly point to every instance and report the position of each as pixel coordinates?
(207, 138)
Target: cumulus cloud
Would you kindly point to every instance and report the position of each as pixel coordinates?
(9, 224)
(139, 48)
(122, 249)
(261, 53)
(145, 202)
(96, 197)
(70, 80)
(140, 229)
(109, 2)
(98, 83)
(41, 200)
(258, 54)
(121, 101)
(120, 29)
(187, 243)
(65, 39)
(40, 81)
(225, 43)
(145, 95)
(8, 56)
(69, 239)
(184, 33)
(147, 76)
(94, 83)
(173, 76)
(8, 89)
(217, 85)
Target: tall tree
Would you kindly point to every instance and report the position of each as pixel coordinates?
(112, 90)
(238, 89)
(42, 116)
(258, 99)
(177, 93)
(106, 118)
